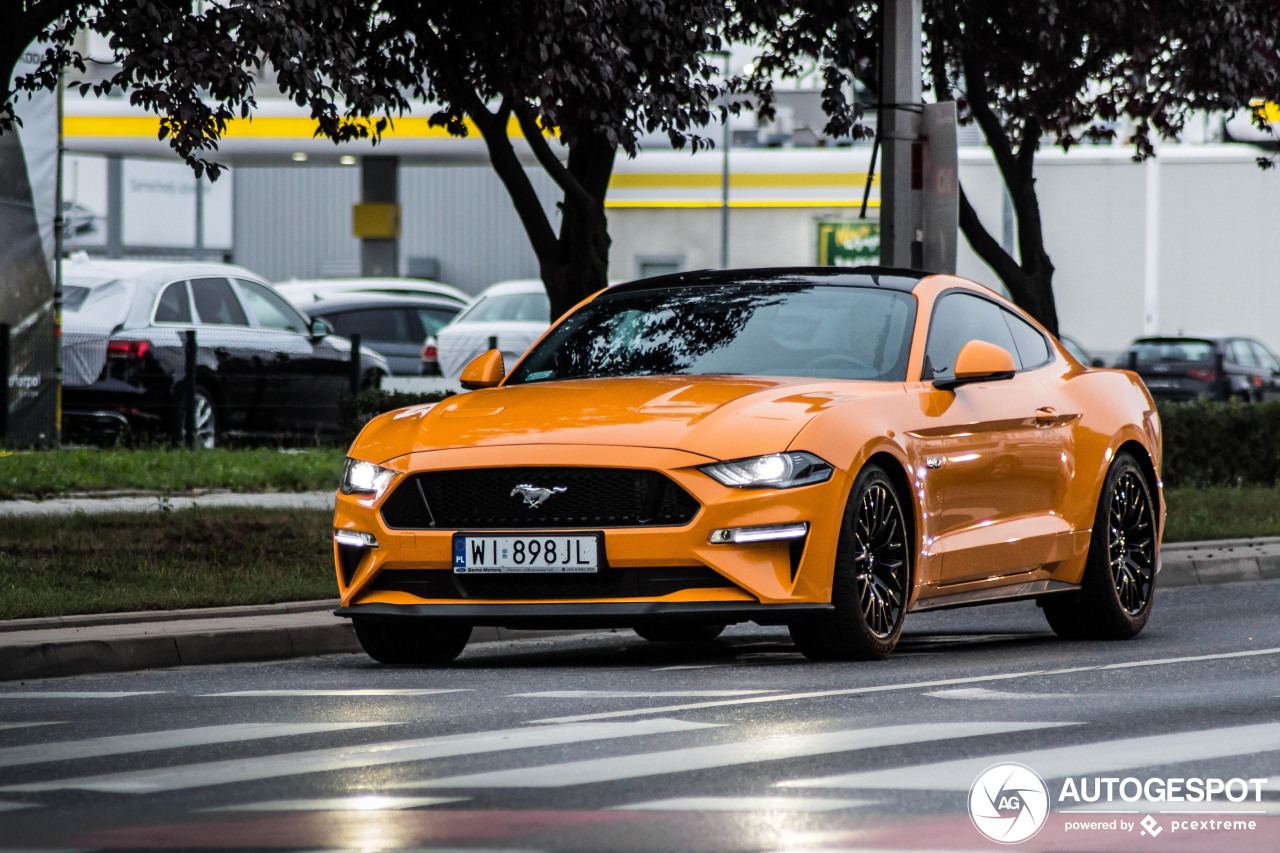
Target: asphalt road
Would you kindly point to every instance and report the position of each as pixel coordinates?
(608, 743)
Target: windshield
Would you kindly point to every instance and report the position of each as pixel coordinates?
(1173, 349)
(532, 307)
(754, 329)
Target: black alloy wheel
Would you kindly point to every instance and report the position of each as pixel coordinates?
(872, 578)
(1118, 587)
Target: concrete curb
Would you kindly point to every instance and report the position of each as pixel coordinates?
(119, 642)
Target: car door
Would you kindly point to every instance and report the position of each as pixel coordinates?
(997, 454)
(237, 363)
(306, 377)
(1271, 370)
(391, 330)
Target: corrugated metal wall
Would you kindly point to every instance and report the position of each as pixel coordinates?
(295, 222)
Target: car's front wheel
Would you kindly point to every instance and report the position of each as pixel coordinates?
(1119, 584)
(410, 641)
(871, 581)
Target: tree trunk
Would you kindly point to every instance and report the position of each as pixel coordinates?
(582, 265)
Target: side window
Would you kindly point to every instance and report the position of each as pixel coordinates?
(1033, 350)
(269, 311)
(1241, 353)
(373, 324)
(434, 319)
(174, 305)
(957, 319)
(1264, 356)
(216, 303)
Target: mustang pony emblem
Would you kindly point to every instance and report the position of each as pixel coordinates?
(535, 496)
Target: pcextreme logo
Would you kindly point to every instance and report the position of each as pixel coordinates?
(1008, 803)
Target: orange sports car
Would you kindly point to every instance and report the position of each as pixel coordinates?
(826, 449)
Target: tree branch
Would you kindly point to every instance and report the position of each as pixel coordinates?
(574, 192)
(987, 247)
(493, 128)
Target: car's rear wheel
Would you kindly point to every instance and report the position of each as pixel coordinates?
(679, 633)
(1119, 584)
(206, 420)
(871, 581)
(410, 641)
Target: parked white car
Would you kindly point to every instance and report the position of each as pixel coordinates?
(516, 313)
(302, 292)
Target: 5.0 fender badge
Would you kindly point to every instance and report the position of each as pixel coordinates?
(536, 496)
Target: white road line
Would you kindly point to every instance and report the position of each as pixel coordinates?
(914, 685)
(745, 804)
(78, 694)
(347, 757)
(359, 803)
(13, 807)
(39, 753)
(982, 693)
(287, 693)
(1064, 761)
(719, 755)
(4, 726)
(635, 694)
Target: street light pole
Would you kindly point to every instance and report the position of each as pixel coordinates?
(724, 180)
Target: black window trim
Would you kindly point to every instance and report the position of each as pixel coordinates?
(191, 306)
(933, 316)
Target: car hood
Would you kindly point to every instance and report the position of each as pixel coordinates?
(716, 417)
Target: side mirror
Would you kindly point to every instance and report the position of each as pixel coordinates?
(1097, 362)
(979, 361)
(319, 328)
(485, 371)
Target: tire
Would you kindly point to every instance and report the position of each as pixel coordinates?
(871, 581)
(679, 632)
(1119, 584)
(206, 420)
(396, 641)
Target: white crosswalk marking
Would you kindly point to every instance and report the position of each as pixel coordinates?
(348, 757)
(636, 694)
(4, 726)
(1060, 762)
(378, 693)
(39, 753)
(720, 755)
(77, 694)
(984, 693)
(745, 804)
(365, 803)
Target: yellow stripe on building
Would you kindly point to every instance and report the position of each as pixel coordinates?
(738, 180)
(259, 127)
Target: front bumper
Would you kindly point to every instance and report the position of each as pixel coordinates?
(409, 573)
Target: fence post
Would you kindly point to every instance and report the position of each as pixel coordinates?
(1224, 381)
(189, 389)
(5, 367)
(493, 342)
(355, 365)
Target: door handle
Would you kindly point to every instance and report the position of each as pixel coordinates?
(1046, 416)
(221, 352)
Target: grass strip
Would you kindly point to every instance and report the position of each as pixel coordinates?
(1222, 512)
(44, 473)
(207, 557)
(59, 566)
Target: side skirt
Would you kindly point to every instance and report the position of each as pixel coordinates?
(1016, 592)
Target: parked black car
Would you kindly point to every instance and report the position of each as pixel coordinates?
(262, 369)
(1210, 367)
(394, 326)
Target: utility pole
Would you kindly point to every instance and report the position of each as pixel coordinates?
(901, 237)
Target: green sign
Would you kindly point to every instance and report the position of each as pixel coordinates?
(848, 243)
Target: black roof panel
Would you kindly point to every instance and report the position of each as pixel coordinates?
(896, 279)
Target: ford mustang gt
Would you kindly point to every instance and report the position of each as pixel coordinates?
(825, 449)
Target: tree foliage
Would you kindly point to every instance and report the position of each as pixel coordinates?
(1045, 72)
(581, 79)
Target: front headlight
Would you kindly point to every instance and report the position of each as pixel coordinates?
(365, 478)
(773, 471)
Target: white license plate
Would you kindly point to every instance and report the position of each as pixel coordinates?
(533, 554)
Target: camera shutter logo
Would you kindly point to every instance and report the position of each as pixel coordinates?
(1009, 803)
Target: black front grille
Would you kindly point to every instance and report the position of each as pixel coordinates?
(607, 583)
(487, 499)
